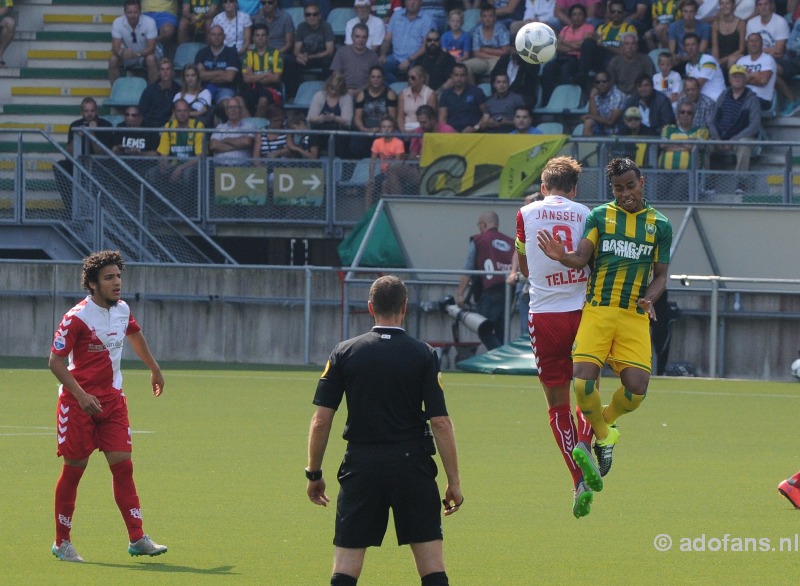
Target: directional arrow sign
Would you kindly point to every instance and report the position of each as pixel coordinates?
(299, 185)
(240, 185)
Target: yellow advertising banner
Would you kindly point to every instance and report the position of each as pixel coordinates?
(500, 165)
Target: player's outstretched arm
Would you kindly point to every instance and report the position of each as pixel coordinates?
(142, 350)
(554, 248)
(442, 428)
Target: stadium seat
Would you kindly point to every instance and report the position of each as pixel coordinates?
(398, 86)
(126, 91)
(185, 53)
(306, 91)
(654, 55)
(566, 99)
(773, 109)
(359, 177)
(338, 18)
(258, 122)
(296, 12)
(486, 88)
(471, 17)
(551, 127)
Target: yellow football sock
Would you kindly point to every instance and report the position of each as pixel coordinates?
(587, 396)
(622, 402)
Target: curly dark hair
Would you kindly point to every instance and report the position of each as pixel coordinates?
(96, 261)
(617, 167)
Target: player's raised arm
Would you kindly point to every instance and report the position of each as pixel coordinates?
(553, 247)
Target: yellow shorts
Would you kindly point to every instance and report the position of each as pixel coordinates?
(620, 337)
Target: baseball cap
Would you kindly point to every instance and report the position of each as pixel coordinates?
(361, 3)
(633, 112)
(736, 68)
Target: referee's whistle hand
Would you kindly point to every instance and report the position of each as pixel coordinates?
(316, 492)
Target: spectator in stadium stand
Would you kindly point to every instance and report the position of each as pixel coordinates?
(675, 152)
(655, 107)
(219, 66)
(501, 107)
(62, 170)
(130, 140)
(632, 126)
(564, 67)
(313, 41)
(92, 409)
(727, 35)
(179, 150)
(196, 17)
(404, 179)
(236, 24)
(301, 145)
(371, 105)
(456, 41)
(387, 149)
(332, 109)
(489, 250)
(232, 143)
(703, 106)
(262, 71)
(762, 70)
(598, 51)
(703, 67)
(490, 41)
(593, 9)
(629, 65)
(133, 43)
(463, 105)
(438, 64)
(606, 105)
(535, 11)
(280, 31)
(8, 25)
(375, 26)
(192, 90)
(522, 76)
(354, 61)
(411, 97)
(405, 35)
(510, 11)
(639, 16)
(271, 142)
(663, 14)
(165, 13)
(523, 122)
(774, 31)
(392, 386)
(155, 103)
(685, 25)
(737, 117)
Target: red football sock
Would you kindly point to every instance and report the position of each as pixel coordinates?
(127, 499)
(795, 480)
(585, 431)
(66, 493)
(563, 426)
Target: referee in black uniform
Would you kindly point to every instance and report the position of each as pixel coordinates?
(386, 377)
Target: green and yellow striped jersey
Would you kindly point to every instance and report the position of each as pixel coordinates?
(625, 248)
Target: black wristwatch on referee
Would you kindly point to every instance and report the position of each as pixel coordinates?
(314, 475)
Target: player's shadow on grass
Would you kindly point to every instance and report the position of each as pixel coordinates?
(170, 568)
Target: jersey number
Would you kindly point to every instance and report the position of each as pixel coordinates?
(564, 234)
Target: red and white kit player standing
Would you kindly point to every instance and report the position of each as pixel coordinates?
(557, 297)
(92, 413)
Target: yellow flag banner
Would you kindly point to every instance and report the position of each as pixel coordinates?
(502, 165)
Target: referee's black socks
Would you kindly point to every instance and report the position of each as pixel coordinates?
(343, 580)
(436, 579)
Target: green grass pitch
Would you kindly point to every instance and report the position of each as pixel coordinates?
(219, 469)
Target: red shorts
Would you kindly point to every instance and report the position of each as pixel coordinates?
(80, 434)
(552, 335)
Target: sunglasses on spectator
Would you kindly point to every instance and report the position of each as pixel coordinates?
(312, 13)
(601, 80)
(689, 112)
(616, 11)
(436, 40)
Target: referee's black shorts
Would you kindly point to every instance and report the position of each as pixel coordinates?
(375, 478)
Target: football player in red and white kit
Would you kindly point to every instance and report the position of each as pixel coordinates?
(92, 413)
(557, 297)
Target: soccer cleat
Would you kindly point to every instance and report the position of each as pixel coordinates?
(604, 450)
(146, 546)
(66, 552)
(582, 455)
(790, 108)
(790, 492)
(582, 504)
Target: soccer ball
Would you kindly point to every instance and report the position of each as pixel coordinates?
(796, 369)
(536, 43)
